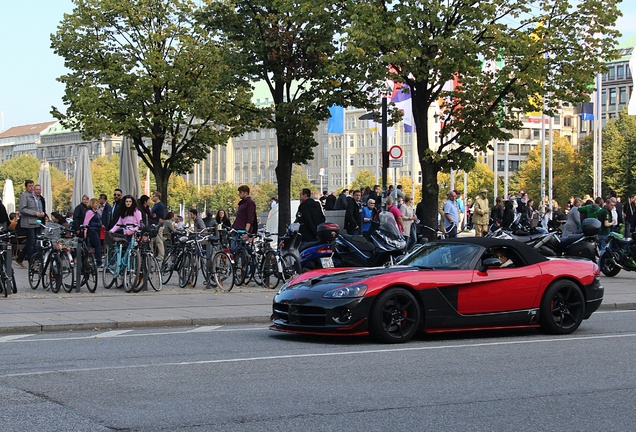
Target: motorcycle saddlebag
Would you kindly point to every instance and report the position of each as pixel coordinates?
(327, 231)
(591, 226)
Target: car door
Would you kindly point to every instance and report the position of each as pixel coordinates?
(499, 290)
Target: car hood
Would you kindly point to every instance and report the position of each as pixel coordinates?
(330, 281)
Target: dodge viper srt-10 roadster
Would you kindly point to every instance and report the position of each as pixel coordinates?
(447, 285)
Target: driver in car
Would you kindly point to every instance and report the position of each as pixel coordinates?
(503, 257)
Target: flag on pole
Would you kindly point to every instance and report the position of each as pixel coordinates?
(335, 124)
(401, 97)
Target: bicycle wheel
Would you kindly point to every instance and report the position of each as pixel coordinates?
(3, 283)
(89, 273)
(111, 267)
(54, 273)
(68, 272)
(222, 271)
(185, 270)
(241, 260)
(35, 269)
(168, 266)
(269, 270)
(131, 277)
(257, 264)
(154, 272)
(291, 266)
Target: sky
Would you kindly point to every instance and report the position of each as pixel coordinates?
(29, 68)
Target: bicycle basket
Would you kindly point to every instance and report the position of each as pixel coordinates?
(52, 231)
(66, 243)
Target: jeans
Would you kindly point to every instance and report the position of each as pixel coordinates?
(93, 240)
(451, 231)
(30, 248)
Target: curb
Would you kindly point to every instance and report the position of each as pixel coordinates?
(105, 325)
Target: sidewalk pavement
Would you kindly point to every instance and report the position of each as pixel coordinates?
(31, 311)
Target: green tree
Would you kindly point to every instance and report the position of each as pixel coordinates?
(540, 46)
(225, 197)
(145, 69)
(20, 169)
(262, 195)
(294, 48)
(363, 179)
(61, 190)
(102, 169)
(619, 155)
(567, 169)
(299, 181)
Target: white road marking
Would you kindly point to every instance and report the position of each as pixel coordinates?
(13, 337)
(112, 333)
(327, 354)
(204, 329)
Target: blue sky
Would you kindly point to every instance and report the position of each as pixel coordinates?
(29, 68)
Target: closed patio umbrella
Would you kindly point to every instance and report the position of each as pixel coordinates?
(83, 177)
(44, 179)
(8, 196)
(129, 181)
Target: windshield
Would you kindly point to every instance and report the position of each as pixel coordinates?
(441, 256)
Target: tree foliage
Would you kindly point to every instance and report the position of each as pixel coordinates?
(299, 181)
(567, 167)
(262, 195)
(619, 155)
(293, 47)
(147, 70)
(363, 179)
(546, 46)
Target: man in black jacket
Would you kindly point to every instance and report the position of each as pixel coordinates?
(353, 215)
(309, 216)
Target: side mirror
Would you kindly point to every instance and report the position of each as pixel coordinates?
(489, 263)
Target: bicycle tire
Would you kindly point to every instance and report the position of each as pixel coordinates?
(3, 281)
(257, 275)
(111, 264)
(55, 273)
(154, 272)
(168, 266)
(185, 270)
(131, 271)
(89, 277)
(241, 260)
(223, 271)
(269, 270)
(14, 287)
(68, 273)
(194, 273)
(291, 266)
(35, 271)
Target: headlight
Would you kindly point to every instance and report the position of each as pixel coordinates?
(350, 291)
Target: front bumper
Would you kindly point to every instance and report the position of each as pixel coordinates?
(306, 311)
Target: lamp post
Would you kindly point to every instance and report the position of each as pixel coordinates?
(383, 116)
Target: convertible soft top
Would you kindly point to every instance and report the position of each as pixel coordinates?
(530, 255)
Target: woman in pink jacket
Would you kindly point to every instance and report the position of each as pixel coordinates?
(128, 214)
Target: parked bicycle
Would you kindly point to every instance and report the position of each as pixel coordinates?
(121, 264)
(7, 280)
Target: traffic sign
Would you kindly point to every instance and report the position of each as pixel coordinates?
(395, 163)
(395, 152)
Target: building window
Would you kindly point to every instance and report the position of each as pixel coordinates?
(622, 95)
(567, 121)
(611, 73)
(612, 96)
(513, 165)
(620, 72)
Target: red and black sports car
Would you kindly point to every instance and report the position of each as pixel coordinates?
(448, 285)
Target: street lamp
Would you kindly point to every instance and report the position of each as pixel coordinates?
(385, 154)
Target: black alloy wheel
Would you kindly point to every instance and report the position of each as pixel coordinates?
(395, 316)
(562, 308)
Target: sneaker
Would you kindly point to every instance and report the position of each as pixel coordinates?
(20, 263)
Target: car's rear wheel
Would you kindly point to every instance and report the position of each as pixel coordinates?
(608, 264)
(395, 316)
(562, 308)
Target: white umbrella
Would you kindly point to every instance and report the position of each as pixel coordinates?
(147, 183)
(83, 177)
(44, 179)
(8, 196)
(129, 181)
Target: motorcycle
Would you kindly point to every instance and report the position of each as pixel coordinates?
(584, 245)
(315, 254)
(620, 254)
(386, 244)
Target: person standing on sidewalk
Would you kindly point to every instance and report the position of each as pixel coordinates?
(481, 216)
(94, 223)
(157, 215)
(110, 221)
(30, 211)
(246, 212)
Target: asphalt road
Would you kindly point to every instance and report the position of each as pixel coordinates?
(248, 378)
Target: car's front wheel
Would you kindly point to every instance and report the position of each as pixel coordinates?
(395, 316)
(562, 308)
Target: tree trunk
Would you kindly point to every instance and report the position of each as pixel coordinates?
(283, 175)
(430, 188)
(162, 177)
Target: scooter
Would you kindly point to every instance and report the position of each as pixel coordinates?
(386, 244)
(316, 254)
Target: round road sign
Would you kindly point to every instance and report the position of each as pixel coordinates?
(395, 152)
